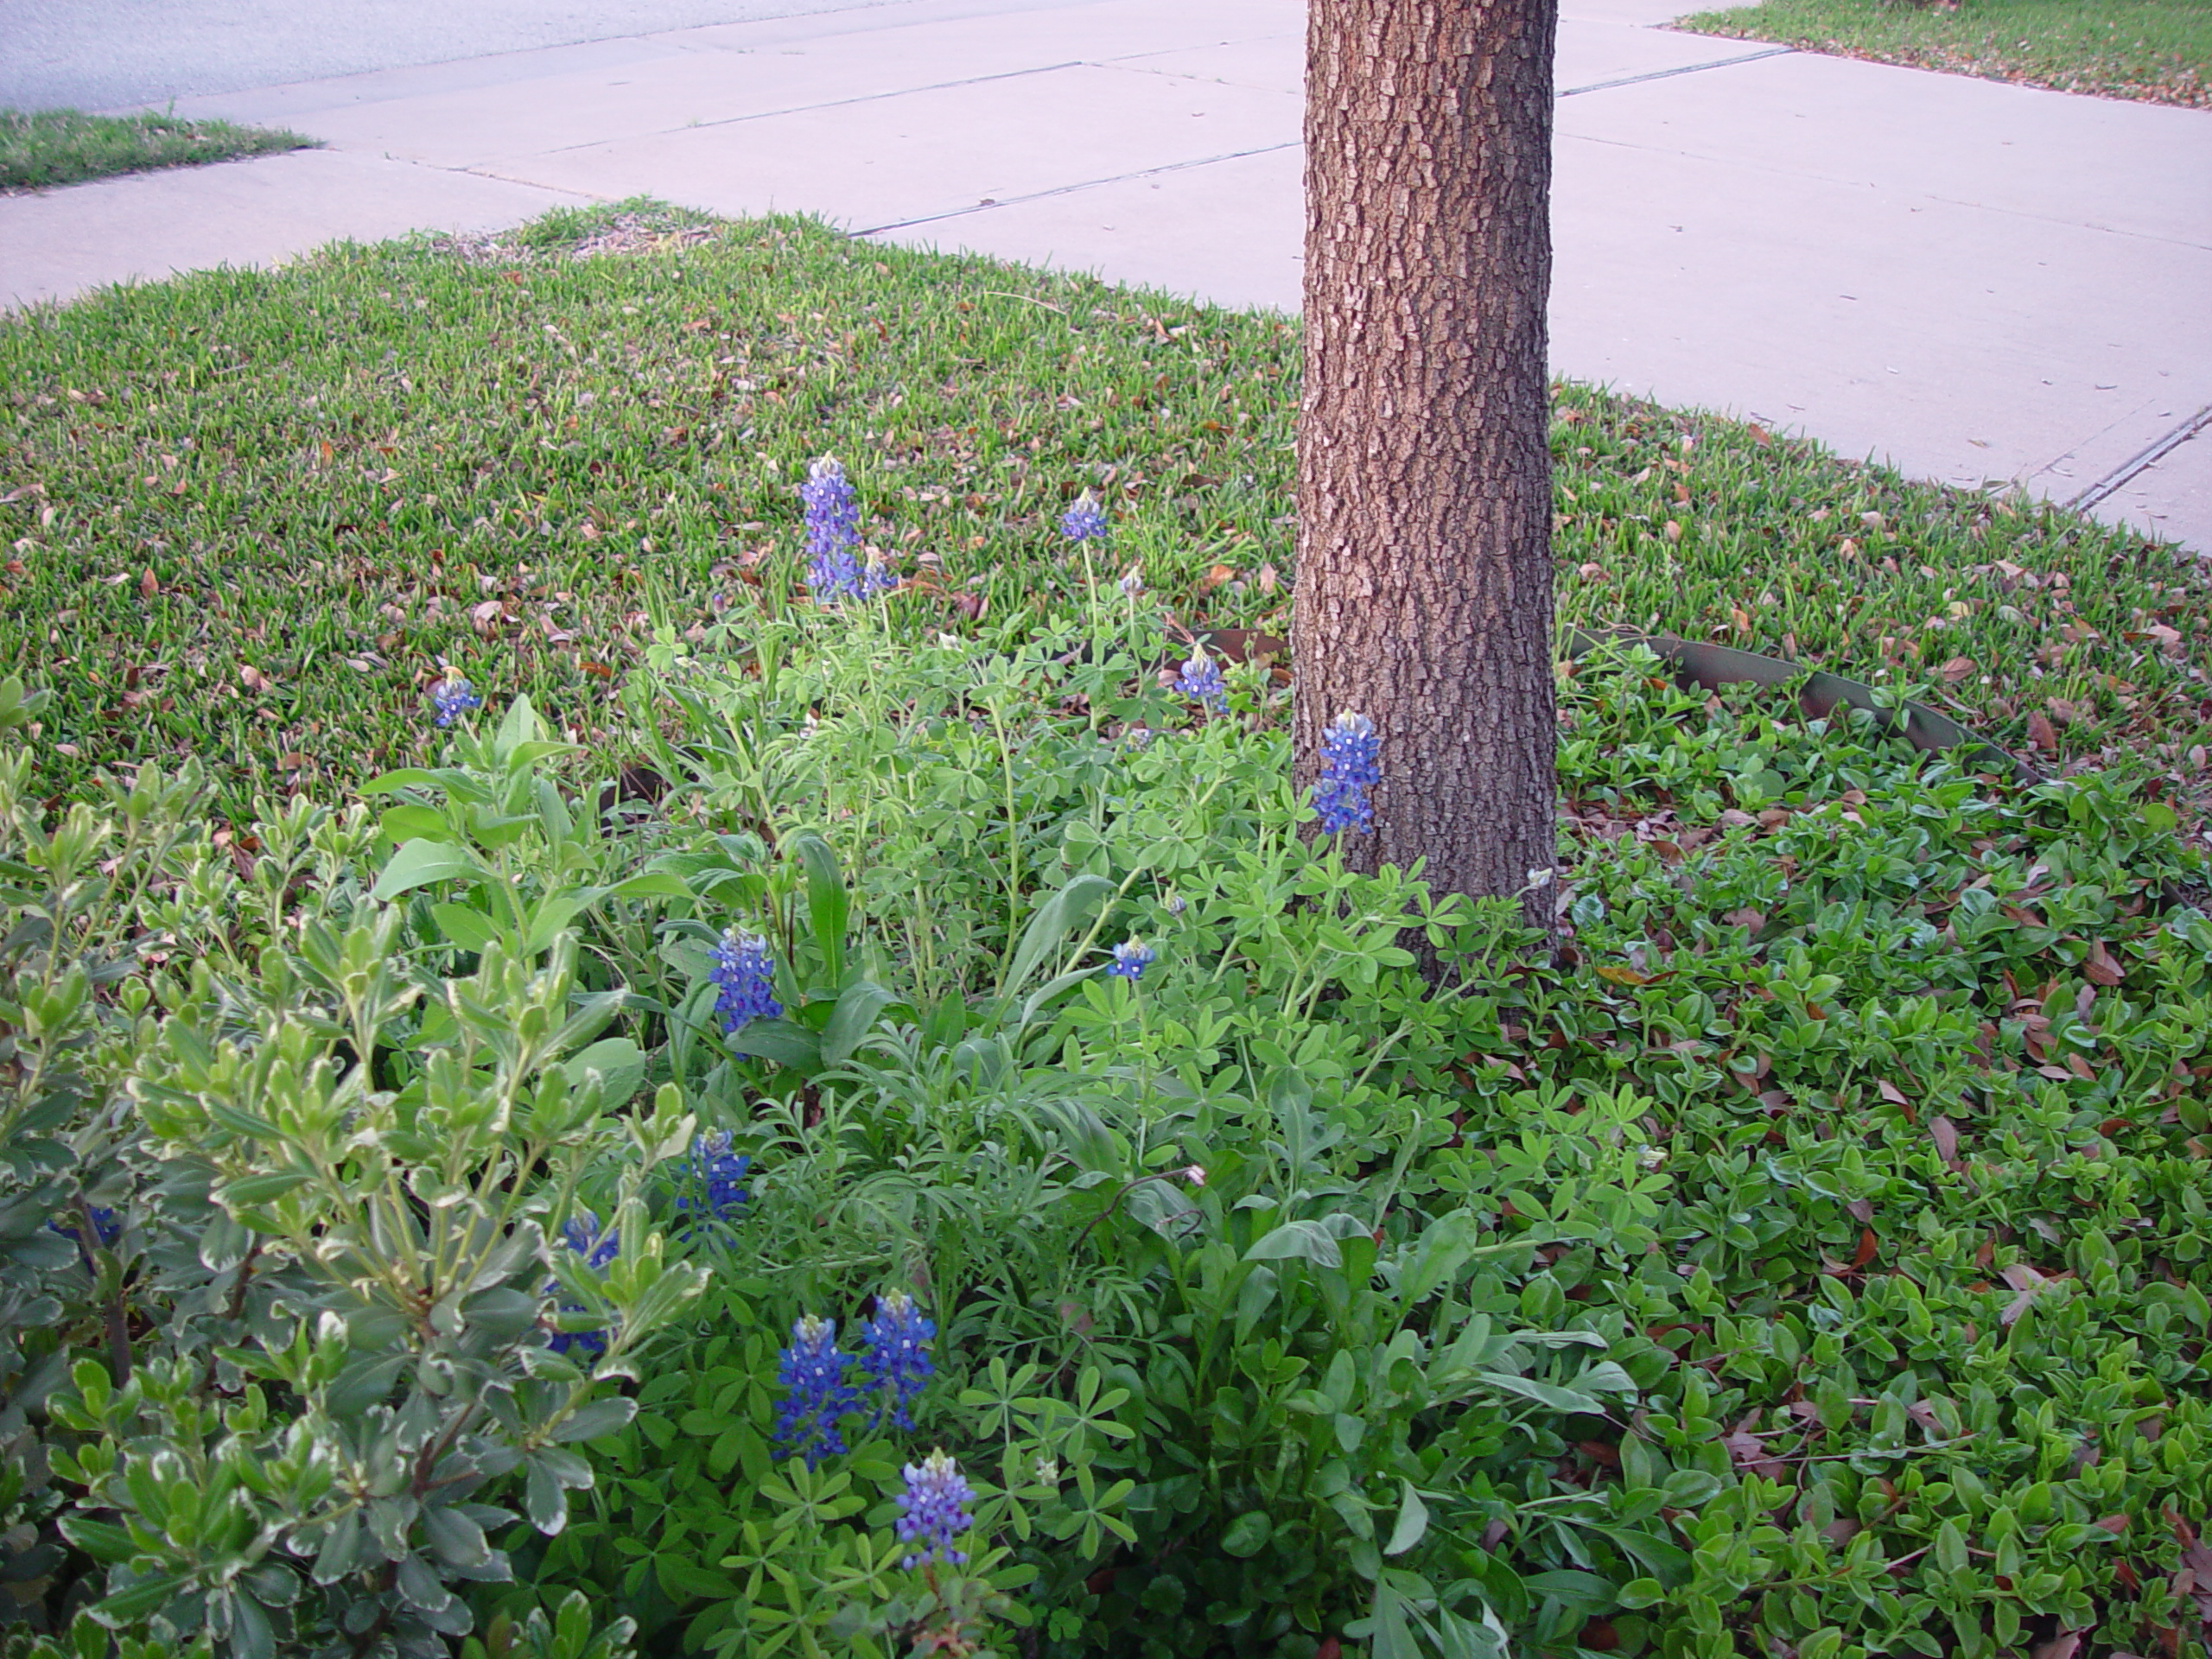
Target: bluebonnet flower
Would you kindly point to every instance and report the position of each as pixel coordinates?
(833, 529)
(1349, 752)
(454, 697)
(895, 1355)
(1086, 521)
(1132, 584)
(710, 1181)
(813, 1371)
(744, 981)
(581, 1234)
(1131, 958)
(933, 1509)
(1201, 682)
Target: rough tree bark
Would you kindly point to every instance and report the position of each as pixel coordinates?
(1424, 591)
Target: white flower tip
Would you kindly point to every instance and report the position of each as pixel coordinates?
(1196, 1175)
(1358, 725)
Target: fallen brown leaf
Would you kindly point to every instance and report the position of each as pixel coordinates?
(2099, 968)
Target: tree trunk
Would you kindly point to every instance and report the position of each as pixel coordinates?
(1424, 594)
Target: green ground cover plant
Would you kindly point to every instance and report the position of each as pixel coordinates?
(41, 149)
(875, 1127)
(2159, 51)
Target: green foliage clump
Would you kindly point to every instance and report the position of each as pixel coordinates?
(284, 1220)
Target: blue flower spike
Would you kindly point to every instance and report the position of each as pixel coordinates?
(933, 1510)
(1200, 680)
(833, 529)
(1350, 753)
(818, 1397)
(744, 981)
(712, 1179)
(1131, 958)
(1086, 521)
(895, 1355)
(454, 697)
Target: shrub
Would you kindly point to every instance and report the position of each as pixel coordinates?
(284, 1217)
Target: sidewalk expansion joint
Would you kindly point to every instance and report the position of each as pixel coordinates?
(1070, 189)
(2144, 459)
(829, 103)
(1687, 69)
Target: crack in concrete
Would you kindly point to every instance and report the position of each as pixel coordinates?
(1687, 69)
(827, 104)
(1070, 189)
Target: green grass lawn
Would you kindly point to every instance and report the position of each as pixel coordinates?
(251, 516)
(2156, 50)
(46, 147)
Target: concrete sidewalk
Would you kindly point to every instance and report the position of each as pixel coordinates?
(1978, 282)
